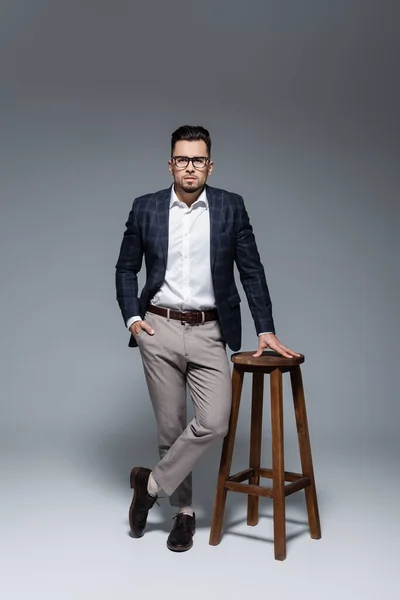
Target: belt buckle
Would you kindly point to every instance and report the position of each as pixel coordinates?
(191, 317)
(183, 320)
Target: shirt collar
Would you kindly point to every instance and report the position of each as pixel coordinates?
(175, 200)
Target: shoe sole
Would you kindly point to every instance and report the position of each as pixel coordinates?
(134, 473)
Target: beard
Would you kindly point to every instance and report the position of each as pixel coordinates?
(191, 187)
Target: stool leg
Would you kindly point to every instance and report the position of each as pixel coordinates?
(305, 451)
(278, 468)
(226, 459)
(255, 444)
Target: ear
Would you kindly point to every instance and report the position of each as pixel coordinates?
(210, 167)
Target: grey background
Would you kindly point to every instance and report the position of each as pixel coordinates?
(301, 99)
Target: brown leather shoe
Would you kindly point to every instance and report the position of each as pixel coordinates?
(142, 501)
(181, 537)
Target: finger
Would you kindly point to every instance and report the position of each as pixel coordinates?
(280, 350)
(137, 327)
(147, 328)
(260, 350)
(289, 351)
(284, 353)
(284, 350)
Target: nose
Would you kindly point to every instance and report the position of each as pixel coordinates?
(190, 167)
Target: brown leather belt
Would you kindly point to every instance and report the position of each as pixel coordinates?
(194, 317)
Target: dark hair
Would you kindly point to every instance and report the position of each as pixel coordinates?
(191, 133)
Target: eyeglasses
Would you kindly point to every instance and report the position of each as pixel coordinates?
(199, 162)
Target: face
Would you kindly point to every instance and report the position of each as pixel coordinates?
(190, 178)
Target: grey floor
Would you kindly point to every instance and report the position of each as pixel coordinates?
(64, 530)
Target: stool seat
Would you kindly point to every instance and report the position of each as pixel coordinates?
(273, 364)
(269, 358)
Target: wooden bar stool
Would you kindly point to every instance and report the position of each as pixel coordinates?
(273, 364)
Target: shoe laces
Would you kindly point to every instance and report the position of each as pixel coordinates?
(145, 507)
(181, 519)
(158, 498)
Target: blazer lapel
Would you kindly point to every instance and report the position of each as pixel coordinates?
(162, 204)
(215, 202)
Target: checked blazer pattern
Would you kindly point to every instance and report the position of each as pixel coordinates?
(232, 241)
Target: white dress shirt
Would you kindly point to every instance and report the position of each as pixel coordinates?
(188, 282)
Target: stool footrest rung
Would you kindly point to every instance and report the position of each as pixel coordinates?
(296, 486)
(289, 476)
(234, 482)
(266, 473)
(244, 488)
(242, 475)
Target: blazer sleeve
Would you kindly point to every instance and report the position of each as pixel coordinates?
(252, 274)
(128, 266)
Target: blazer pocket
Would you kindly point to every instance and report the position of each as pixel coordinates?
(234, 300)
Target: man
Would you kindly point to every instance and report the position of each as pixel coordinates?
(190, 236)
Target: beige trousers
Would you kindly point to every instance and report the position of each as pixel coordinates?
(175, 356)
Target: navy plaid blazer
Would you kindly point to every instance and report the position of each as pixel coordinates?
(232, 241)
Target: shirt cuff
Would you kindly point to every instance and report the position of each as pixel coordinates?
(264, 332)
(132, 320)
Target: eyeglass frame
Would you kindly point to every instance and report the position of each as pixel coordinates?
(190, 159)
